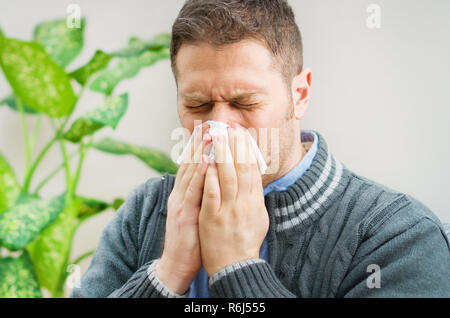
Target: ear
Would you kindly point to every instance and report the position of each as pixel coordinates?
(301, 91)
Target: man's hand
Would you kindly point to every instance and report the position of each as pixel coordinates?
(180, 260)
(233, 218)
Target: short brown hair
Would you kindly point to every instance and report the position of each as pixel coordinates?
(221, 22)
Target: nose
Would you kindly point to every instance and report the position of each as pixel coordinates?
(223, 112)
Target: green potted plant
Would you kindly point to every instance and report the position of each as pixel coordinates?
(37, 232)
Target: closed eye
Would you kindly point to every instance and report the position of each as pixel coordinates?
(236, 104)
(193, 107)
(244, 105)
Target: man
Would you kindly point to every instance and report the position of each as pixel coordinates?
(311, 228)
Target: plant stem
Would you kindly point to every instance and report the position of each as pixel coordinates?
(53, 173)
(66, 162)
(41, 155)
(82, 257)
(77, 172)
(81, 92)
(25, 134)
(37, 126)
(29, 172)
(83, 148)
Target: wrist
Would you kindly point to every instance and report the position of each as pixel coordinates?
(233, 268)
(212, 268)
(176, 282)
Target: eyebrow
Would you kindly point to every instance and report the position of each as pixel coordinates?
(237, 95)
(195, 96)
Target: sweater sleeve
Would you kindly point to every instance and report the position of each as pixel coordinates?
(114, 270)
(252, 278)
(406, 262)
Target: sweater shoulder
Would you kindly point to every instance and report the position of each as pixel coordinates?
(151, 196)
(154, 190)
(143, 202)
(148, 191)
(382, 208)
(144, 213)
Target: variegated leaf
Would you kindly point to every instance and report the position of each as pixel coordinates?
(98, 62)
(153, 158)
(9, 187)
(62, 43)
(90, 207)
(18, 278)
(10, 101)
(137, 46)
(50, 251)
(35, 79)
(20, 223)
(127, 67)
(108, 114)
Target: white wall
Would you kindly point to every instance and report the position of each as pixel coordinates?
(380, 96)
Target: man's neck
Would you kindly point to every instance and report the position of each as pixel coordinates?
(286, 165)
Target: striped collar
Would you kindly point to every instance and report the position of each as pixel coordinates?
(310, 196)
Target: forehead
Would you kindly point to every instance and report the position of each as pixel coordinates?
(243, 66)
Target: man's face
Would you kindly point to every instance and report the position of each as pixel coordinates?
(234, 84)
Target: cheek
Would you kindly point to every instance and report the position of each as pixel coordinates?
(272, 116)
(188, 123)
(189, 120)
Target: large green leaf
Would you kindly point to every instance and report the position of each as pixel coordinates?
(108, 114)
(98, 62)
(50, 251)
(35, 78)
(10, 101)
(90, 207)
(137, 46)
(155, 159)
(127, 67)
(117, 203)
(19, 224)
(9, 187)
(18, 278)
(25, 197)
(63, 44)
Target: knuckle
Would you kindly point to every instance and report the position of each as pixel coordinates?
(190, 193)
(229, 180)
(210, 194)
(218, 221)
(242, 167)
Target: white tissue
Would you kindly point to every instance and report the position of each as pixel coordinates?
(220, 129)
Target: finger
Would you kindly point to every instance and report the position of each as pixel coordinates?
(252, 161)
(194, 191)
(212, 198)
(239, 148)
(251, 145)
(191, 168)
(225, 169)
(256, 183)
(192, 146)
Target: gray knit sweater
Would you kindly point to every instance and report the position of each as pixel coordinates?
(327, 233)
